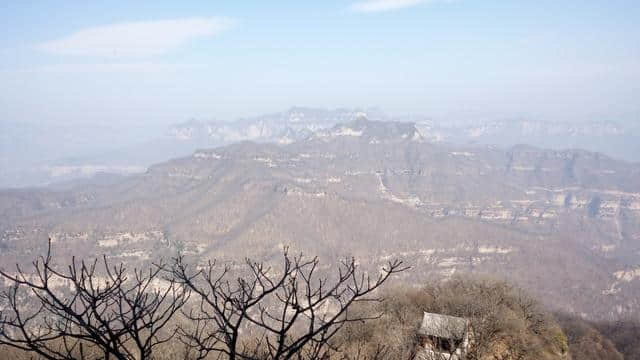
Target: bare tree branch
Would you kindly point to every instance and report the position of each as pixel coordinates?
(61, 315)
(274, 314)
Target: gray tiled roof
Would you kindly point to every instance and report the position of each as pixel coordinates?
(443, 326)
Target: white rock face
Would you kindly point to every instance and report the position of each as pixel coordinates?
(411, 201)
(206, 155)
(523, 168)
(494, 250)
(605, 248)
(139, 254)
(303, 180)
(462, 153)
(627, 275)
(347, 131)
(302, 193)
(451, 262)
(117, 239)
(268, 161)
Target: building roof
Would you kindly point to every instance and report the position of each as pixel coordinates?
(443, 326)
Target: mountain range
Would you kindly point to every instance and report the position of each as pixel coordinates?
(38, 156)
(563, 223)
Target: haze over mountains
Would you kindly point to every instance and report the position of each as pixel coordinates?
(38, 155)
(564, 224)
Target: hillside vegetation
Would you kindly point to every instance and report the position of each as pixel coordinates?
(506, 322)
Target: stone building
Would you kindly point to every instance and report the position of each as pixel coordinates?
(443, 337)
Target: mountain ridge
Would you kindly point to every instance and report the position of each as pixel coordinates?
(39, 165)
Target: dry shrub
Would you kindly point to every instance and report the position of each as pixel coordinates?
(506, 322)
(625, 334)
(595, 341)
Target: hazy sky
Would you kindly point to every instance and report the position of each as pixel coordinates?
(155, 63)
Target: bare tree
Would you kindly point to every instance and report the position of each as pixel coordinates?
(81, 313)
(270, 313)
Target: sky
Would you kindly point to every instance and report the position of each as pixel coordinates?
(154, 63)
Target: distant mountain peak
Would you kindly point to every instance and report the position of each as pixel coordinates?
(372, 130)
